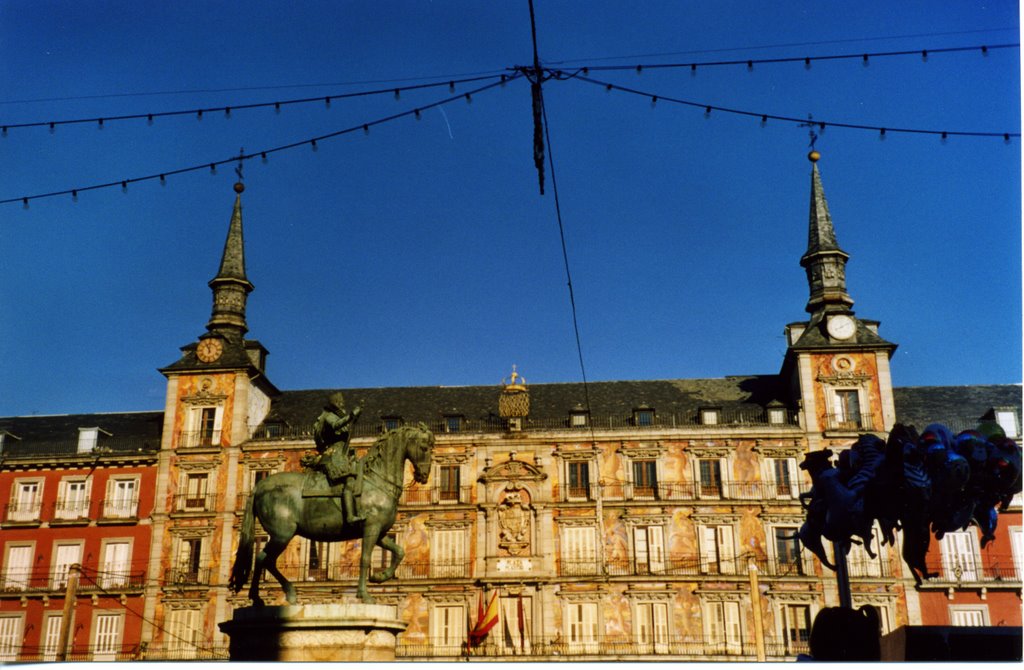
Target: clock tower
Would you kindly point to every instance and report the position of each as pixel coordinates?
(217, 394)
(837, 363)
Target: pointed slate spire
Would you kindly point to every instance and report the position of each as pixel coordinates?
(231, 287)
(824, 261)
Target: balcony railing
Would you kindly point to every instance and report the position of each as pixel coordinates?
(970, 570)
(23, 512)
(199, 438)
(187, 577)
(42, 581)
(436, 496)
(844, 422)
(193, 502)
(71, 510)
(79, 653)
(696, 566)
(119, 508)
(551, 648)
(685, 491)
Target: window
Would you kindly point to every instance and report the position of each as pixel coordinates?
(183, 633)
(64, 556)
(190, 558)
(516, 624)
(579, 480)
(859, 562)
(581, 628)
(448, 487)
(579, 550)
(391, 422)
(106, 637)
(1017, 545)
(710, 477)
(51, 636)
(87, 439)
(18, 567)
(784, 477)
(787, 551)
(72, 499)
(718, 554)
(10, 637)
(776, 415)
(968, 615)
(203, 427)
(649, 549)
(1007, 420)
(27, 499)
(847, 408)
(318, 561)
(643, 416)
(651, 629)
(645, 479)
(797, 622)
(122, 499)
(381, 559)
(196, 490)
(722, 626)
(448, 629)
(448, 553)
(579, 418)
(709, 416)
(453, 423)
(117, 556)
(960, 556)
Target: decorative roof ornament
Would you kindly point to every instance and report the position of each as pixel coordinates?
(231, 287)
(514, 401)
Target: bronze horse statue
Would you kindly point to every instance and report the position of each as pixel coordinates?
(278, 502)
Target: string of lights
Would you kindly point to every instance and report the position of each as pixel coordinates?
(864, 57)
(764, 118)
(227, 110)
(263, 154)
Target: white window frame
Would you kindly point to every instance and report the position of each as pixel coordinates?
(582, 626)
(447, 500)
(784, 610)
(194, 435)
(448, 629)
(723, 626)
(1017, 547)
(116, 559)
(107, 634)
(706, 492)
(448, 552)
(717, 543)
(195, 491)
(88, 439)
(1007, 420)
(18, 561)
(184, 631)
(122, 498)
(860, 563)
(960, 553)
(11, 636)
(969, 615)
(185, 557)
(837, 411)
(49, 640)
(805, 558)
(70, 507)
(62, 564)
(651, 626)
(640, 493)
(572, 493)
(26, 499)
(578, 549)
(770, 475)
(649, 549)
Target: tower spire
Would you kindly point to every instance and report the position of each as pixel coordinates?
(824, 261)
(231, 287)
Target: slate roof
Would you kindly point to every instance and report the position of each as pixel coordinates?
(960, 407)
(550, 404)
(120, 433)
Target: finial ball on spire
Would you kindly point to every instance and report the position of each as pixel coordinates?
(813, 156)
(239, 187)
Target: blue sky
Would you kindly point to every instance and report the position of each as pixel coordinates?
(421, 253)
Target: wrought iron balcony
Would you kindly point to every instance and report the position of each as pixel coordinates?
(851, 423)
(199, 438)
(420, 495)
(683, 491)
(187, 577)
(196, 502)
(23, 512)
(115, 509)
(74, 509)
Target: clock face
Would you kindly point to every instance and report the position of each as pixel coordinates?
(841, 327)
(209, 350)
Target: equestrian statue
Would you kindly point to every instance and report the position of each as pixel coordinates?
(338, 498)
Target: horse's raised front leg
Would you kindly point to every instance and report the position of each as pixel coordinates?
(270, 552)
(371, 535)
(397, 554)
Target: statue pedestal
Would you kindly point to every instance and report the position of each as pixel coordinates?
(314, 633)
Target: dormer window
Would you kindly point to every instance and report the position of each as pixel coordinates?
(643, 416)
(1007, 420)
(87, 439)
(390, 422)
(453, 423)
(776, 414)
(710, 416)
(579, 417)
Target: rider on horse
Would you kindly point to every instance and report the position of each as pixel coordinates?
(331, 434)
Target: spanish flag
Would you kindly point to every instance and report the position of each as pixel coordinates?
(485, 619)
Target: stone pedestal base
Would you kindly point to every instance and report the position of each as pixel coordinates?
(314, 633)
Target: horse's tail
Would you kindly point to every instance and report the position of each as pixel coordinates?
(242, 568)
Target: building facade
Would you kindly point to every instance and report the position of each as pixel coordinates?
(633, 520)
